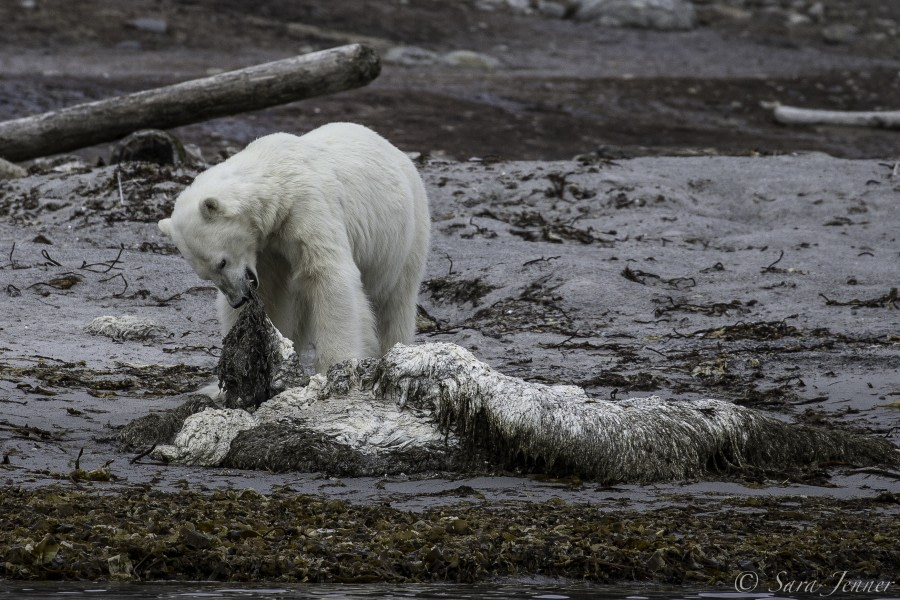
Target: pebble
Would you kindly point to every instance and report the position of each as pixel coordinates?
(411, 56)
(414, 56)
(796, 19)
(555, 10)
(470, 60)
(150, 24)
(839, 33)
(10, 170)
(817, 11)
(731, 13)
(663, 15)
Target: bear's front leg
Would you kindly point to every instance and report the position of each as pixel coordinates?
(339, 317)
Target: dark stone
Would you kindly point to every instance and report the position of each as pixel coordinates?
(149, 145)
(162, 427)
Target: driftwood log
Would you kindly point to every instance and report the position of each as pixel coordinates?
(792, 115)
(435, 407)
(251, 88)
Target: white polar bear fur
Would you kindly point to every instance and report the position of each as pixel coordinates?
(334, 225)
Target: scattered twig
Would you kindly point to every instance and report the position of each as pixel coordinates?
(450, 270)
(12, 262)
(892, 298)
(639, 276)
(877, 471)
(711, 309)
(565, 341)
(50, 260)
(125, 281)
(479, 230)
(78, 459)
(451, 330)
(110, 265)
(541, 259)
(164, 301)
(716, 267)
(771, 268)
(143, 454)
(49, 304)
(119, 181)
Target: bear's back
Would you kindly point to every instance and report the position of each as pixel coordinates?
(357, 174)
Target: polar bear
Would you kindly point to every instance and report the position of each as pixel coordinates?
(331, 228)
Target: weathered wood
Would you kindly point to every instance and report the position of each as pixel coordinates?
(251, 88)
(792, 115)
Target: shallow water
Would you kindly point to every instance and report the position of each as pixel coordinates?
(48, 590)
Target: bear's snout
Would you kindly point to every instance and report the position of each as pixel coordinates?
(238, 289)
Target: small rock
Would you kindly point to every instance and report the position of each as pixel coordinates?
(468, 59)
(120, 568)
(521, 7)
(663, 15)
(129, 45)
(556, 10)
(796, 19)
(149, 145)
(411, 56)
(839, 33)
(817, 11)
(729, 13)
(195, 153)
(10, 170)
(150, 24)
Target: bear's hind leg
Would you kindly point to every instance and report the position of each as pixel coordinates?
(396, 316)
(395, 312)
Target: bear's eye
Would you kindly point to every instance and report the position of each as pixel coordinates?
(222, 264)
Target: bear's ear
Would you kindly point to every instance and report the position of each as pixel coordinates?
(210, 208)
(166, 226)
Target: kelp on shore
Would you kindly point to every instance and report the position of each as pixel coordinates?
(139, 534)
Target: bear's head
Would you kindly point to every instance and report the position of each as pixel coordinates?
(217, 239)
